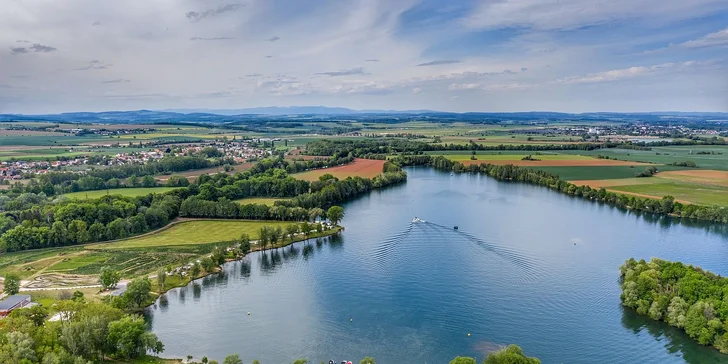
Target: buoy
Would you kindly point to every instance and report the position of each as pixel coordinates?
(248, 313)
(468, 334)
(351, 320)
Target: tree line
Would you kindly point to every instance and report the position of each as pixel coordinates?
(666, 206)
(683, 296)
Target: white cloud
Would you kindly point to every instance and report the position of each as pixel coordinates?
(632, 72)
(719, 38)
(565, 14)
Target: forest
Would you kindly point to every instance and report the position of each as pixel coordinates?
(683, 296)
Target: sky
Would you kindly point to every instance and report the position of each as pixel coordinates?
(450, 55)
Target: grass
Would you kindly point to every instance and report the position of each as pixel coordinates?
(145, 360)
(599, 172)
(130, 192)
(259, 200)
(367, 168)
(667, 155)
(76, 262)
(695, 193)
(515, 157)
(194, 232)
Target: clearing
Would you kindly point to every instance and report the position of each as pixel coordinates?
(259, 200)
(130, 192)
(367, 168)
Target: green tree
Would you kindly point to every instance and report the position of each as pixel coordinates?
(512, 354)
(306, 229)
(195, 270)
(335, 214)
(129, 338)
(232, 359)
(19, 349)
(462, 360)
(315, 213)
(11, 284)
(207, 264)
(291, 230)
(161, 278)
(367, 360)
(77, 296)
(138, 292)
(245, 243)
(255, 361)
(109, 278)
(300, 361)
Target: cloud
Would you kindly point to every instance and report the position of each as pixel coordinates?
(268, 56)
(215, 38)
(93, 65)
(96, 23)
(372, 60)
(118, 80)
(22, 41)
(35, 48)
(571, 14)
(717, 39)
(197, 16)
(273, 39)
(349, 72)
(253, 75)
(492, 87)
(632, 72)
(524, 69)
(437, 63)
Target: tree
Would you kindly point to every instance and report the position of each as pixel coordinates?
(264, 236)
(129, 338)
(462, 360)
(207, 264)
(138, 292)
(255, 361)
(232, 359)
(77, 296)
(512, 354)
(19, 349)
(161, 278)
(300, 361)
(109, 278)
(291, 230)
(306, 229)
(12, 284)
(335, 214)
(367, 360)
(195, 270)
(245, 243)
(315, 213)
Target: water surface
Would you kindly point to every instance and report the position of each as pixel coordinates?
(527, 265)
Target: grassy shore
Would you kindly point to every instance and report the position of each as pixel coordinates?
(130, 192)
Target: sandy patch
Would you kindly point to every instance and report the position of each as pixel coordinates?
(367, 168)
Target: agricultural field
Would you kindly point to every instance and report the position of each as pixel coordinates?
(367, 168)
(705, 157)
(193, 232)
(543, 159)
(259, 200)
(130, 192)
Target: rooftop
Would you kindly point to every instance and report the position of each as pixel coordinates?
(11, 301)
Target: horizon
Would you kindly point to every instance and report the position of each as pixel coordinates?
(572, 56)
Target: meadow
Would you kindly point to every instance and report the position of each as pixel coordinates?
(539, 159)
(259, 200)
(130, 192)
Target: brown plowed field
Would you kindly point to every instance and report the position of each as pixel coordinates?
(367, 168)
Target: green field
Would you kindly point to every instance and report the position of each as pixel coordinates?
(599, 172)
(194, 232)
(692, 192)
(514, 157)
(130, 192)
(667, 155)
(259, 200)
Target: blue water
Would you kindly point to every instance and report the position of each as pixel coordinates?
(527, 265)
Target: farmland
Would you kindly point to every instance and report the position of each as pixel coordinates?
(193, 232)
(538, 159)
(130, 192)
(193, 174)
(367, 168)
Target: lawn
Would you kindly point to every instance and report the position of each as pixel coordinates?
(193, 232)
(367, 168)
(599, 172)
(130, 192)
(259, 200)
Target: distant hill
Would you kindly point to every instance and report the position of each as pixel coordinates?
(323, 113)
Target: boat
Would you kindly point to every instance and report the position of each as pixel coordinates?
(417, 220)
(455, 227)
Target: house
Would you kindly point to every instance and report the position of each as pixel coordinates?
(13, 302)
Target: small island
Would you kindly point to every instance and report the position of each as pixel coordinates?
(683, 296)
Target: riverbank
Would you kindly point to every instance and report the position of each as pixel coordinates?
(173, 281)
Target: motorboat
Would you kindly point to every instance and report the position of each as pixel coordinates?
(416, 219)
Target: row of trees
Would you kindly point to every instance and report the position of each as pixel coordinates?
(85, 333)
(681, 295)
(667, 205)
(74, 222)
(511, 354)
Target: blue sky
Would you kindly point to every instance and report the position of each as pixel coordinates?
(468, 55)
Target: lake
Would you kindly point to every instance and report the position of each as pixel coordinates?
(527, 265)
